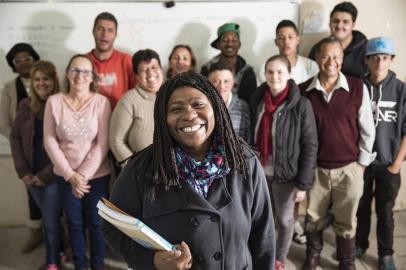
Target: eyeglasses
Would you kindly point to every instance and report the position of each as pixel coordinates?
(77, 71)
(26, 59)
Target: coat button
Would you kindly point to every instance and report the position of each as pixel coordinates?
(198, 258)
(214, 219)
(217, 256)
(194, 221)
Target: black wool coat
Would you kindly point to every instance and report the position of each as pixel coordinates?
(230, 230)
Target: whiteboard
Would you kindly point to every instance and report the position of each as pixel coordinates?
(57, 30)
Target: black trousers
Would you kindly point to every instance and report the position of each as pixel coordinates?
(384, 186)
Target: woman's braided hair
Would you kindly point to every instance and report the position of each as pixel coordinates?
(164, 170)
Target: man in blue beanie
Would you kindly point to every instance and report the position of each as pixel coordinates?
(382, 177)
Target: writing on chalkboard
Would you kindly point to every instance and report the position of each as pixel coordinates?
(37, 35)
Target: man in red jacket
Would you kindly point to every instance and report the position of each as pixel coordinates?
(113, 67)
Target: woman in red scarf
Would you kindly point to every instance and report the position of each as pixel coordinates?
(286, 138)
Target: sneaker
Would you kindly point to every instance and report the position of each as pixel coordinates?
(387, 263)
(299, 236)
(62, 257)
(51, 266)
(279, 265)
(359, 252)
(297, 227)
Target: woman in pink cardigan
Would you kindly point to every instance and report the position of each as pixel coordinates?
(75, 138)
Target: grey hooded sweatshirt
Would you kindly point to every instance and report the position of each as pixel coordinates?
(389, 109)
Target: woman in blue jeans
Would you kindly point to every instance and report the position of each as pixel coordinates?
(75, 138)
(31, 161)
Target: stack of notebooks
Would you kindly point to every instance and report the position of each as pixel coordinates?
(132, 227)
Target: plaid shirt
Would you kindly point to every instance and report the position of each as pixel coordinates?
(240, 117)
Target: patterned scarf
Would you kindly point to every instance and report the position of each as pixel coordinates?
(263, 139)
(199, 175)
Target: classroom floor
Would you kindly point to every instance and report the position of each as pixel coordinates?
(12, 238)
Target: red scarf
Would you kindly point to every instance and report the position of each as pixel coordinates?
(264, 134)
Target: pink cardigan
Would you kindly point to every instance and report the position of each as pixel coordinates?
(77, 141)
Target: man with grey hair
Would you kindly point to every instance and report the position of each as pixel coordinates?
(346, 135)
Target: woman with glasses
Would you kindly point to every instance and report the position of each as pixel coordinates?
(75, 138)
(20, 58)
(132, 122)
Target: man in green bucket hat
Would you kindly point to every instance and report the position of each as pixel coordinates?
(228, 42)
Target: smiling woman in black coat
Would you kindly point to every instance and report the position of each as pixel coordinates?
(197, 185)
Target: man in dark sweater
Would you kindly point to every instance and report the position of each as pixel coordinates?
(346, 134)
(228, 42)
(342, 23)
(382, 177)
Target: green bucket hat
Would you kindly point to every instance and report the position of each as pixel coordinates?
(227, 27)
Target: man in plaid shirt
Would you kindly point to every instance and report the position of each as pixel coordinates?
(222, 77)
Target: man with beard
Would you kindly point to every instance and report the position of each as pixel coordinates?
(113, 67)
(228, 42)
(342, 23)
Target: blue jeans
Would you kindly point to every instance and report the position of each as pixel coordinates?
(82, 214)
(48, 199)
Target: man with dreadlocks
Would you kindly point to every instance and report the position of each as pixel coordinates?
(197, 185)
